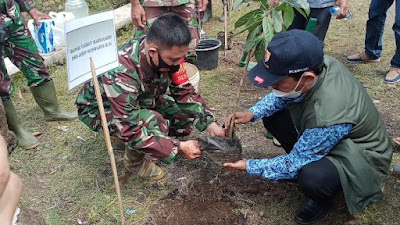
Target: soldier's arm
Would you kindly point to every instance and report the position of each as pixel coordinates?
(26, 5)
(185, 96)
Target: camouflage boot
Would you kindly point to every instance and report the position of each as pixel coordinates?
(135, 162)
(46, 98)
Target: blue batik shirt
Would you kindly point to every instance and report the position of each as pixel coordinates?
(313, 144)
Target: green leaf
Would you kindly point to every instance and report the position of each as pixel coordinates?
(288, 16)
(260, 51)
(253, 33)
(246, 18)
(277, 21)
(302, 12)
(249, 27)
(303, 4)
(252, 43)
(268, 30)
(236, 4)
(265, 25)
(281, 6)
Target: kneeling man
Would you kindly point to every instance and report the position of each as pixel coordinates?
(138, 109)
(334, 136)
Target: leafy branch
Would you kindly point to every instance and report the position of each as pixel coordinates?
(263, 23)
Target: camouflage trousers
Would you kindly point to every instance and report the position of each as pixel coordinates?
(150, 131)
(187, 12)
(22, 51)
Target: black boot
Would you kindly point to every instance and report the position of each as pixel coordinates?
(311, 211)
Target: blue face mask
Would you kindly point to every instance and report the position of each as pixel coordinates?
(297, 99)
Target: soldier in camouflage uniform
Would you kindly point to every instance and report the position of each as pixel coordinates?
(22, 51)
(145, 12)
(138, 109)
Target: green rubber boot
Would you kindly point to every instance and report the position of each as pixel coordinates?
(46, 98)
(135, 162)
(25, 139)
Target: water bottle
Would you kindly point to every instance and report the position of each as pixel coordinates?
(77, 7)
(335, 11)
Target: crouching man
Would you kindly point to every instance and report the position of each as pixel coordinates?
(138, 109)
(334, 136)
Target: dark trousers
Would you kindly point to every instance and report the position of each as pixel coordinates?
(323, 19)
(318, 180)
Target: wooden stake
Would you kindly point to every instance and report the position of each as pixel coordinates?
(232, 125)
(226, 25)
(107, 137)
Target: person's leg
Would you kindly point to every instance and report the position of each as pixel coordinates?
(393, 76)
(10, 198)
(22, 51)
(281, 126)
(396, 28)
(179, 124)
(10, 187)
(375, 27)
(299, 22)
(323, 20)
(320, 182)
(190, 15)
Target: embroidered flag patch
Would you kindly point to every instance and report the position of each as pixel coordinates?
(259, 80)
(180, 76)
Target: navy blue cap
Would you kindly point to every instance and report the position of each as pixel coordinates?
(289, 52)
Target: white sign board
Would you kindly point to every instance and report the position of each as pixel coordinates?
(92, 36)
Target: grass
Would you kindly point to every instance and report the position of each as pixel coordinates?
(67, 178)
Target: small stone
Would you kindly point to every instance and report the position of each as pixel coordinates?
(366, 85)
(396, 171)
(261, 213)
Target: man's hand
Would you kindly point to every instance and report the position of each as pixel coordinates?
(215, 130)
(190, 149)
(273, 3)
(239, 165)
(202, 5)
(37, 16)
(138, 15)
(344, 8)
(240, 118)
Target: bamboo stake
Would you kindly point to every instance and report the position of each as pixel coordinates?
(232, 125)
(226, 25)
(107, 137)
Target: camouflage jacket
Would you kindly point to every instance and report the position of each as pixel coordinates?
(10, 12)
(159, 3)
(134, 86)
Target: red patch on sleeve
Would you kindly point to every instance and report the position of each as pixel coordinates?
(180, 76)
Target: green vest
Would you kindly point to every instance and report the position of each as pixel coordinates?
(363, 157)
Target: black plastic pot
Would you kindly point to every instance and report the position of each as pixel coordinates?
(207, 54)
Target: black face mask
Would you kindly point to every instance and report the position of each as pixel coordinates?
(163, 66)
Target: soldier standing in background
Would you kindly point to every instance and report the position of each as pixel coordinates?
(22, 51)
(145, 12)
(139, 111)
